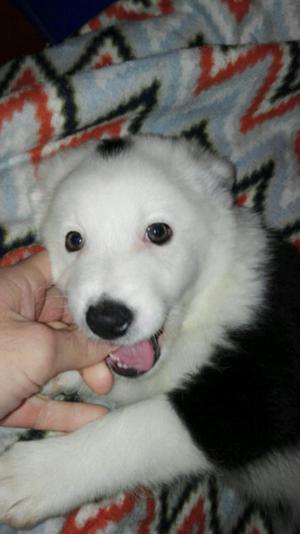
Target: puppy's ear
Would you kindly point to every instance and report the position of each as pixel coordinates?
(51, 172)
(220, 169)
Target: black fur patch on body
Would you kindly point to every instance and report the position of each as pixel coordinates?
(112, 147)
(247, 404)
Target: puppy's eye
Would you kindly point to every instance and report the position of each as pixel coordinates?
(159, 233)
(74, 241)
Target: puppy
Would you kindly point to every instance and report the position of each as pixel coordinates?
(203, 302)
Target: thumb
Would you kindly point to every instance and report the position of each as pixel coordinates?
(74, 351)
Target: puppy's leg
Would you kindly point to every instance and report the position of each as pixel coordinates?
(142, 443)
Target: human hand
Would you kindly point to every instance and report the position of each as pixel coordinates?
(37, 342)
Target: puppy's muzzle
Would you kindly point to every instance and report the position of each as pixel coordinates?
(109, 319)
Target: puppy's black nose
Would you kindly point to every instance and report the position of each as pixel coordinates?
(109, 319)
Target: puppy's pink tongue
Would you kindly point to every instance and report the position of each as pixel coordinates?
(140, 356)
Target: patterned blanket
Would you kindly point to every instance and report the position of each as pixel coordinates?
(226, 72)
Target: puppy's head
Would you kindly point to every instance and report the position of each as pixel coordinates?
(128, 231)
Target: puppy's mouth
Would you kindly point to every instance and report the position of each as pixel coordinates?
(135, 360)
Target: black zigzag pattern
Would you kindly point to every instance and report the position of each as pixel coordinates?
(62, 83)
(10, 75)
(117, 41)
(252, 511)
(213, 495)
(197, 40)
(291, 229)
(258, 180)
(139, 104)
(170, 509)
(291, 81)
(144, 3)
(64, 89)
(25, 241)
(199, 132)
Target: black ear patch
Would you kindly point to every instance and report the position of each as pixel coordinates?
(109, 148)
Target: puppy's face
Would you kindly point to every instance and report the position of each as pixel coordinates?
(127, 237)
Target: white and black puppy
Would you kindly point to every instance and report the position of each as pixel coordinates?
(204, 304)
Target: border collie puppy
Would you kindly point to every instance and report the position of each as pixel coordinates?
(204, 306)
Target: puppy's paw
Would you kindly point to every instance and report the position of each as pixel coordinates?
(27, 488)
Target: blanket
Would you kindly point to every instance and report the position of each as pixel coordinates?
(224, 72)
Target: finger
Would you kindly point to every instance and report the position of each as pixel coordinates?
(23, 286)
(98, 377)
(40, 413)
(39, 262)
(72, 350)
(55, 308)
(37, 269)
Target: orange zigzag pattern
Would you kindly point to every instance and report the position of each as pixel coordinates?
(239, 8)
(246, 60)
(28, 90)
(119, 12)
(111, 129)
(18, 254)
(114, 513)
